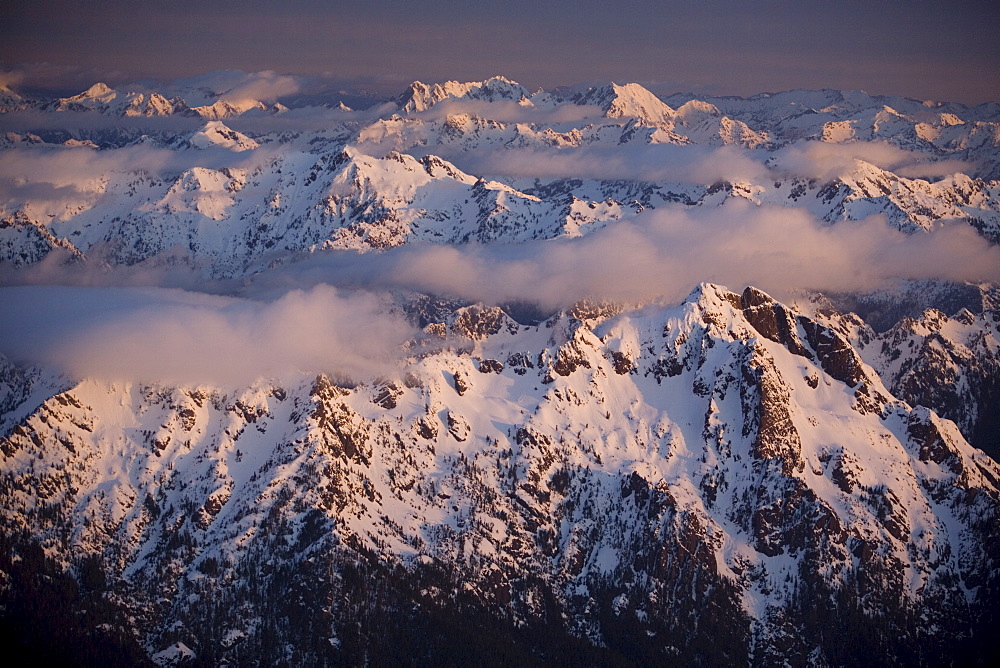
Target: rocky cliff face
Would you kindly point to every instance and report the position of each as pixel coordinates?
(949, 364)
(725, 481)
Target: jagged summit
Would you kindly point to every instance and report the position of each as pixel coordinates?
(216, 133)
(108, 101)
(99, 92)
(105, 100)
(696, 110)
(222, 109)
(420, 96)
(629, 100)
(98, 97)
(11, 100)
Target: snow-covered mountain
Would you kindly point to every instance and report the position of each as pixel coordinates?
(307, 196)
(11, 101)
(103, 99)
(215, 133)
(420, 96)
(630, 100)
(726, 456)
(561, 463)
(952, 364)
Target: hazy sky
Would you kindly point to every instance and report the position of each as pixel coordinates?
(918, 48)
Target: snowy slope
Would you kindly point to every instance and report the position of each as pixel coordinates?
(949, 363)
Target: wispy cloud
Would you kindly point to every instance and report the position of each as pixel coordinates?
(660, 163)
(827, 161)
(159, 335)
(266, 86)
(663, 253)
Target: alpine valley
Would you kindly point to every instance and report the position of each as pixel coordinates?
(482, 376)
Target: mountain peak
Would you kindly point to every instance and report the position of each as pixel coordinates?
(420, 96)
(99, 91)
(629, 100)
(217, 133)
(708, 294)
(696, 110)
(97, 96)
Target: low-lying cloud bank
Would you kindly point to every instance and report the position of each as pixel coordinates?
(699, 164)
(174, 336)
(662, 254)
(290, 319)
(59, 178)
(826, 161)
(650, 163)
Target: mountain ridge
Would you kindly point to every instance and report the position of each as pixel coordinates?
(424, 388)
(552, 465)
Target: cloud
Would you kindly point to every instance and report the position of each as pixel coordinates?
(61, 166)
(324, 121)
(163, 335)
(265, 86)
(61, 180)
(827, 161)
(662, 254)
(936, 169)
(320, 314)
(53, 181)
(660, 163)
(48, 182)
(10, 78)
(70, 124)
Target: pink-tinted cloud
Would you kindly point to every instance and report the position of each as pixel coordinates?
(662, 254)
(158, 335)
(827, 161)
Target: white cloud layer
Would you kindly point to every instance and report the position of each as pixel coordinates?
(662, 163)
(827, 161)
(700, 164)
(265, 86)
(664, 253)
(161, 335)
(297, 322)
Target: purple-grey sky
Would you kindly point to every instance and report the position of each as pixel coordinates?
(917, 48)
